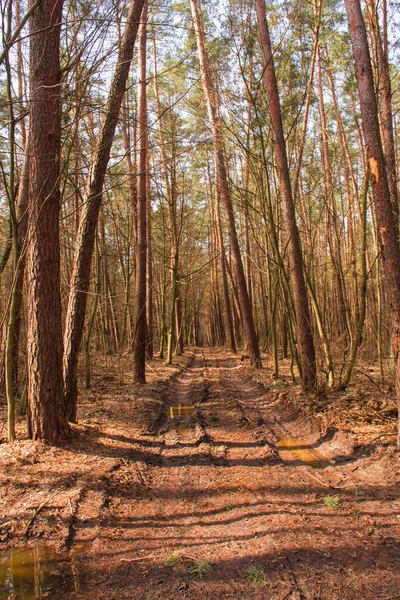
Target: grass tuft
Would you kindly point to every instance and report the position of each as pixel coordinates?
(200, 568)
(255, 574)
(222, 449)
(331, 501)
(213, 418)
(182, 562)
(175, 559)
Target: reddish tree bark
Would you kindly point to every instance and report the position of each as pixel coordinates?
(22, 215)
(227, 301)
(139, 348)
(149, 270)
(386, 102)
(47, 415)
(300, 296)
(379, 178)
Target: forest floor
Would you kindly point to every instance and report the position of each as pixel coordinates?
(247, 490)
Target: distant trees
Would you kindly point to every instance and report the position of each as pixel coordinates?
(222, 182)
(224, 178)
(91, 206)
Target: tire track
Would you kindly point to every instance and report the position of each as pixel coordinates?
(211, 485)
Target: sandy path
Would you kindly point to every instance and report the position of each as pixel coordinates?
(212, 487)
(206, 506)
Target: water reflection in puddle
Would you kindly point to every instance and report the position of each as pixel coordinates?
(291, 449)
(33, 573)
(181, 410)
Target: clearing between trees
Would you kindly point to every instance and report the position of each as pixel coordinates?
(206, 483)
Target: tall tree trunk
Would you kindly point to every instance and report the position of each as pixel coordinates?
(352, 196)
(224, 268)
(223, 184)
(130, 170)
(356, 338)
(385, 89)
(90, 211)
(179, 346)
(97, 286)
(171, 199)
(47, 414)
(379, 179)
(21, 74)
(304, 331)
(10, 188)
(19, 272)
(331, 226)
(149, 272)
(247, 196)
(216, 217)
(140, 339)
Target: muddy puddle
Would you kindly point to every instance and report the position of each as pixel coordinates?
(181, 410)
(293, 449)
(33, 573)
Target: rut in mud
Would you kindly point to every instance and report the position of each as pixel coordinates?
(207, 491)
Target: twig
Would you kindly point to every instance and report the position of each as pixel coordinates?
(38, 509)
(240, 403)
(70, 505)
(328, 485)
(334, 487)
(381, 417)
(108, 369)
(274, 402)
(18, 30)
(370, 378)
(349, 485)
(130, 560)
(382, 435)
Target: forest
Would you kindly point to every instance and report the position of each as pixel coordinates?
(199, 299)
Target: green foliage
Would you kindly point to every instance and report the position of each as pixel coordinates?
(256, 575)
(213, 418)
(175, 559)
(331, 501)
(180, 561)
(200, 568)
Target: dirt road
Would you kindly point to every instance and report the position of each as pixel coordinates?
(202, 487)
